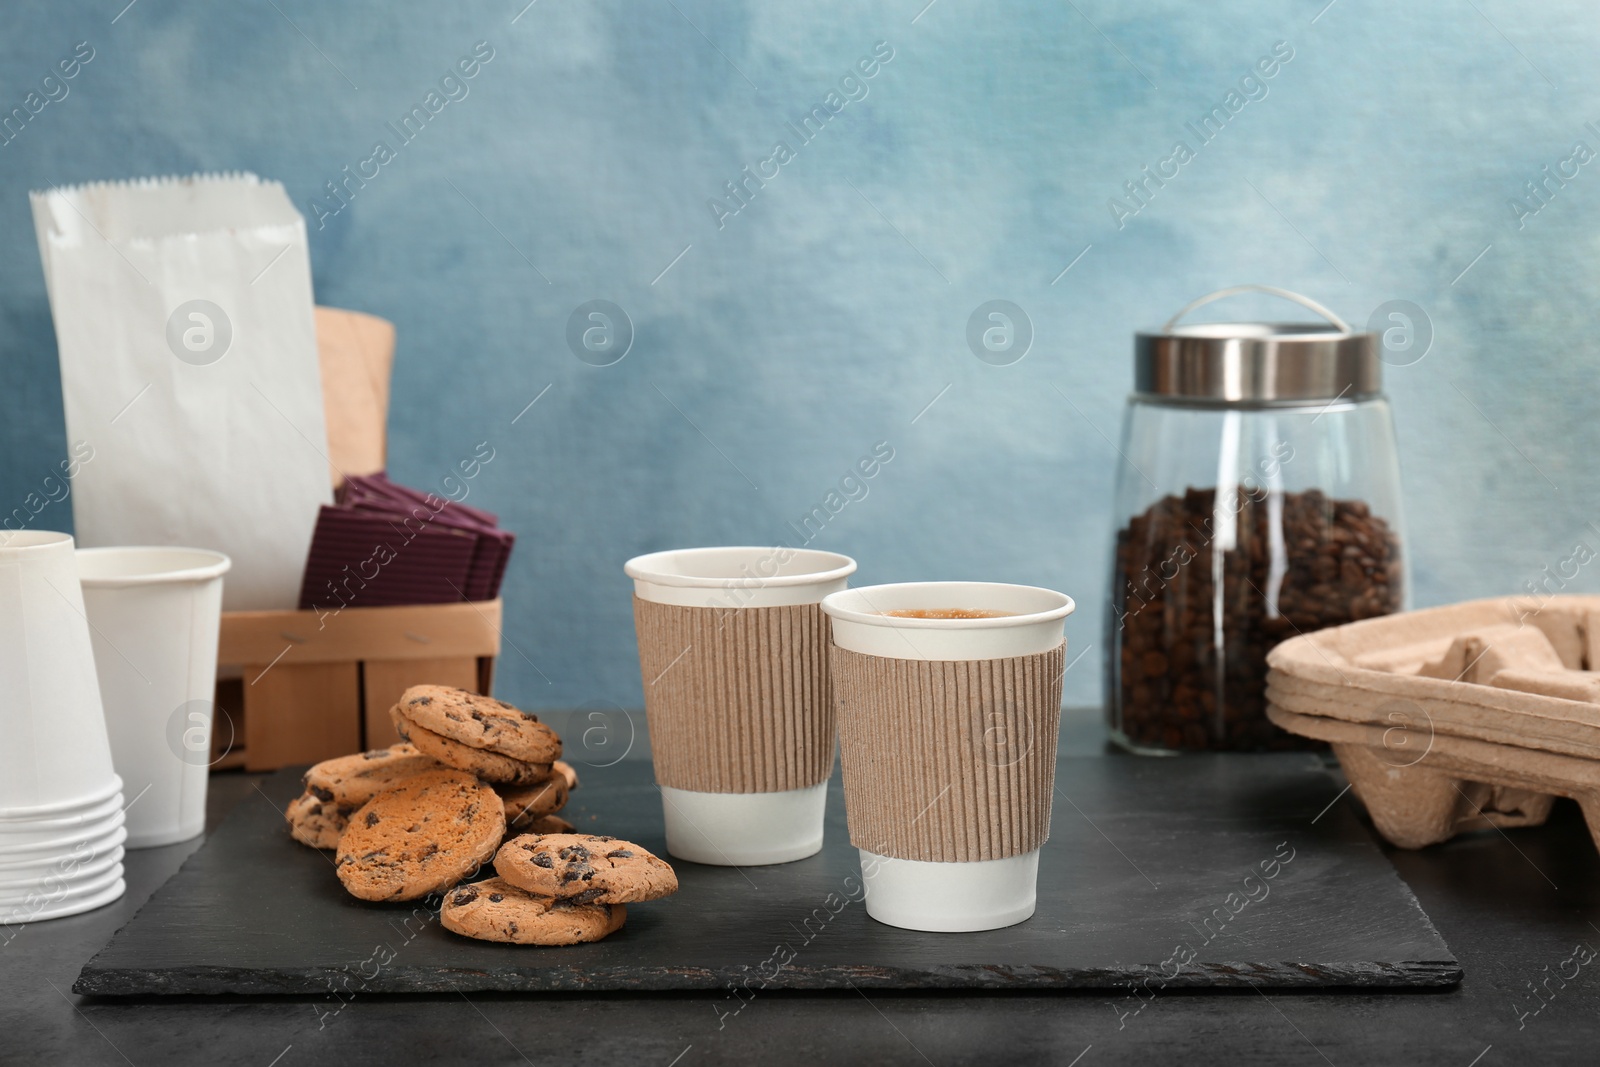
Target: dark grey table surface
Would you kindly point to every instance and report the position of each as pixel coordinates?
(1512, 907)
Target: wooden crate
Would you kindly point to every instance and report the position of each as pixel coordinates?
(297, 688)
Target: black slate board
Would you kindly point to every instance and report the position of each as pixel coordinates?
(1143, 857)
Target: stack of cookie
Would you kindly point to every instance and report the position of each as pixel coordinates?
(418, 818)
(500, 744)
(557, 889)
(420, 837)
(336, 788)
(488, 737)
(530, 792)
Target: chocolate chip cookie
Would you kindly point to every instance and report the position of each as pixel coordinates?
(422, 836)
(315, 822)
(584, 868)
(565, 770)
(495, 910)
(480, 722)
(525, 803)
(490, 766)
(544, 824)
(337, 787)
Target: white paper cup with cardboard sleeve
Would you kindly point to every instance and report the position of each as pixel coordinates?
(156, 613)
(733, 653)
(949, 698)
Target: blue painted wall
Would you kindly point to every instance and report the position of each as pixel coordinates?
(777, 344)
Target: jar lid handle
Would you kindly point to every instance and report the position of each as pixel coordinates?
(1232, 290)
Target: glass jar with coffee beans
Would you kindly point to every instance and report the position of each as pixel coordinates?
(1258, 497)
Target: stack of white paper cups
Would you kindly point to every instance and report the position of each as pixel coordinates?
(155, 614)
(947, 737)
(61, 811)
(733, 653)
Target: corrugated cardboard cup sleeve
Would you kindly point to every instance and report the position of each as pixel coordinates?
(948, 761)
(738, 699)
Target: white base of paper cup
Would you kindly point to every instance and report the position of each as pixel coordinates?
(164, 836)
(950, 898)
(61, 909)
(744, 829)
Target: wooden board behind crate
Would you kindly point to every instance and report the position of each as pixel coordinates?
(317, 687)
(384, 680)
(356, 354)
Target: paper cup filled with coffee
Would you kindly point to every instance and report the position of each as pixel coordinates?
(949, 701)
(733, 653)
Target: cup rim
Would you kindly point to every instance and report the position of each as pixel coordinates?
(63, 908)
(65, 821)
(32, 541)
(96, 833)
(97, 863)
(94, 798)
(14, 866)
(72, 890)
(645, 568)
(186, 567)
(834, 605)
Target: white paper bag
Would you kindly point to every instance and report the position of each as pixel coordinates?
(184, 318)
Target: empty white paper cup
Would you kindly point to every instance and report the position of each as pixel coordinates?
(949, 897)
(155, 614)
(53, 751)
(739, 828)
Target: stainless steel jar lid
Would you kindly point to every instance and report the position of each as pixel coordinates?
(1256, 362)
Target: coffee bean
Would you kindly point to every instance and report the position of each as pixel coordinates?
(1190, 667)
